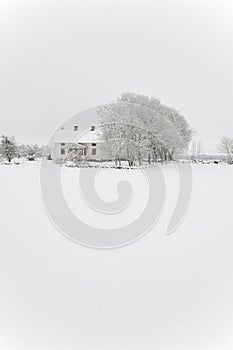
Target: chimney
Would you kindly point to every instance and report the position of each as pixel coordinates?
(75, 127)
(92, 128)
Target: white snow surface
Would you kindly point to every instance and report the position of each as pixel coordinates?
(162, 292)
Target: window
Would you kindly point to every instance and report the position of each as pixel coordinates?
(63, 144)
(63, 151)
(93, 144)
(93, 151)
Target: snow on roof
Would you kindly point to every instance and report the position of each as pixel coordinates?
(69, 136)
(91, 137)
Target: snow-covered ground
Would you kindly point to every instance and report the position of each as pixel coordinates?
(163, 292)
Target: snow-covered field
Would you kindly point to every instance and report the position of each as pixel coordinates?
(162, 292)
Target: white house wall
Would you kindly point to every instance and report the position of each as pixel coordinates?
(56, 151)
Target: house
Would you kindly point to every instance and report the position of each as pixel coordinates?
(85, 143)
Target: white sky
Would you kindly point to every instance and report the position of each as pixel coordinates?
(66, 56)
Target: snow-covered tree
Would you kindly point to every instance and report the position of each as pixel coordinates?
(8, 148)
(75, 154)
(123, 134)
(31, 152)
(136, 126)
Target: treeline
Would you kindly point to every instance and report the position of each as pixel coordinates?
(224, 150)
(9, 149)
(136, 127)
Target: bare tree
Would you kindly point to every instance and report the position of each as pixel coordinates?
(196, 149)
(226, 146)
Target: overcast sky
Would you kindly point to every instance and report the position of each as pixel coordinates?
(60, 57)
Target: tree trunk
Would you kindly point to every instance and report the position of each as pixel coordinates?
(130, 161)
(155, 155)
(149, 158)
(139, 159)
(170, 155)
